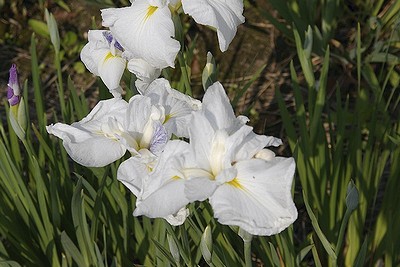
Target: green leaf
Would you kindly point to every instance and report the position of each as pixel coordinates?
(72, 250)
(53, 31)
(303, 253)
(39, 27)
(6, 263)
(37, 89)
(317, 261)
(360, 260)
(274, 254)
(243, 90)
(304, 60)
(62, 4)
(320, 101)
(318, 231)
(164, 251)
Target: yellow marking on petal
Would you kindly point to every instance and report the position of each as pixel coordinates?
(236, 183)
(176, 178)
(107, 57)
(150, 11)
(167, 118)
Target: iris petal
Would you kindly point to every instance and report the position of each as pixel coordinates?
(145, 30)
(222, 15)
(259, 199)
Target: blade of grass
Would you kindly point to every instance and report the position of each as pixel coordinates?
(327, 245)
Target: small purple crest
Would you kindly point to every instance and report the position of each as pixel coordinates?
(110, 39)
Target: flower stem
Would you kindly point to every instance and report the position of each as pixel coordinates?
(247, 253)
(342, 232)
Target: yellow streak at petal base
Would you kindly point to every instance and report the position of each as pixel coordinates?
(150, 11)
(167, 118)
(108, 56)
(235, 183)
(176, 178)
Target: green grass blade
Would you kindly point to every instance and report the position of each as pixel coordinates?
(72, 250)
(37, 89)
(327, 245)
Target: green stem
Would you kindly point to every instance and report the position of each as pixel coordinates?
(341, 232)
(247, 253)
(186, 78)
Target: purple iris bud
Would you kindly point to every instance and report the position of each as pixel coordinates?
(13, 91)
(110, 39)
(160, 138)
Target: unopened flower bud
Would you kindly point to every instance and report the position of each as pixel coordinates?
(53, 30)
(13, 90)
(17, 113)
(352, 196)
(209, 75)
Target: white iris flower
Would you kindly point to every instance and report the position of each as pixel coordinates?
(102, 56)
(246, 185)
(152, 178)
(146, 30)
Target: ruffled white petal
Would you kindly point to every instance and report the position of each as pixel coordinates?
(144, 72)
(178, 218)
(100, 114)
(87, 149)
(146, 30)
(200, 188)
(259, 199)
(133, 172)
(103, 59)
(178, 106)
(138, 113)
(111, 68)
(163, 193)
(96, 42)
(94, 141)
(201, 135)
(222, 15)
(218, 110)
(96, 134)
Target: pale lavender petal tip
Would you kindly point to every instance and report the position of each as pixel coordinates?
(160, 138)
(13, 78)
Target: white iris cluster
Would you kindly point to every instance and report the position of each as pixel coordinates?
(222, 161)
